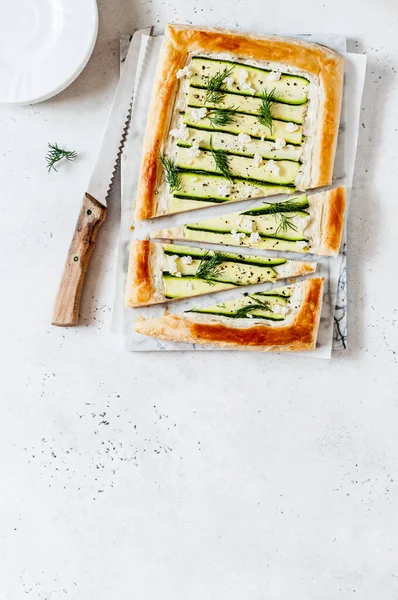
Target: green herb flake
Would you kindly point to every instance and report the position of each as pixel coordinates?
(222, 162)
(55, 154)
(256, 304)
(216, 86)
(220, 117)
(209, 266)
(172, 175)
(265, 109)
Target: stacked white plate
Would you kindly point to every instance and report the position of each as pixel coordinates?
(44, 46)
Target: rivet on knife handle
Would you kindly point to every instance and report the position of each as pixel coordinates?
(67, 303)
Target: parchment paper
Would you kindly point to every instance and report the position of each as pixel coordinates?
(332, 269)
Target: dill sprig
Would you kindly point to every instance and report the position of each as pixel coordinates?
(209, 266)
(55, 154)
(280, 209)
(219, 117)
(285, 223)
(276, 207)
(256, 304)
(221, 160)
(265, 109)
(216, 86)
(172, 175)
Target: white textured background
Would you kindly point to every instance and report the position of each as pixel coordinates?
(209, 476)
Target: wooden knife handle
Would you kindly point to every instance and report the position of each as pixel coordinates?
(67, 303)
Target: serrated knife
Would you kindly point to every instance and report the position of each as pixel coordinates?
(94, 205)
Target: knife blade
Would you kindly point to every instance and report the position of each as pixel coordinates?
(94, 205)
(102, 173)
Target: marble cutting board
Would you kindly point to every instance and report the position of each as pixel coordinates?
(333, 326)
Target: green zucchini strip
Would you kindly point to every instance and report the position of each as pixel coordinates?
(249, 80)
(247, 105)
(262, 235)
(231, 144)
(195, 253)
(240, 168)
(248, 124)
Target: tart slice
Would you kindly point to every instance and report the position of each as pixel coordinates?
(281, 320)
(300, 224)
(162, 272)
(236, 116)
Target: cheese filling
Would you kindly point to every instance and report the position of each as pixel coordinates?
(276, 307)
(189, 271)
(295, 225)
(221, 110)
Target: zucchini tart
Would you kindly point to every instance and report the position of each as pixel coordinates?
(302, 223)
(284, 319)
(236, 116)
(162, 272)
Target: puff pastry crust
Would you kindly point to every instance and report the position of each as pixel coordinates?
(144, 282)
(325, 229)
(333, 221)
(300, 334)
(140, 288)
(303, 57)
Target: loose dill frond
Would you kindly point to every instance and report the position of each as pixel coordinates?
(172, 175)
(216, 86)
(219, 117)
(265, 109)
(209, 266)
(55, 154)
(221, 160)
(256, 304)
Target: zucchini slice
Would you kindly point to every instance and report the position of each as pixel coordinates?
(247, 124)
(297, 204)
(290, 89)
(234, 273)
(215, 188)
(234, 270)
(183, 205)
(266, 225)
(265, 243)
(231, 307)
(176, 287)
(240, 167)
(247, 259)
(281, 293)
(230, 143)
(247, 105)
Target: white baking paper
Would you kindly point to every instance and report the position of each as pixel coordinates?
(124, 318)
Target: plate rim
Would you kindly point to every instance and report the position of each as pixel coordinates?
(61, 87)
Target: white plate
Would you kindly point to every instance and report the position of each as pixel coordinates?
(44, 46)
